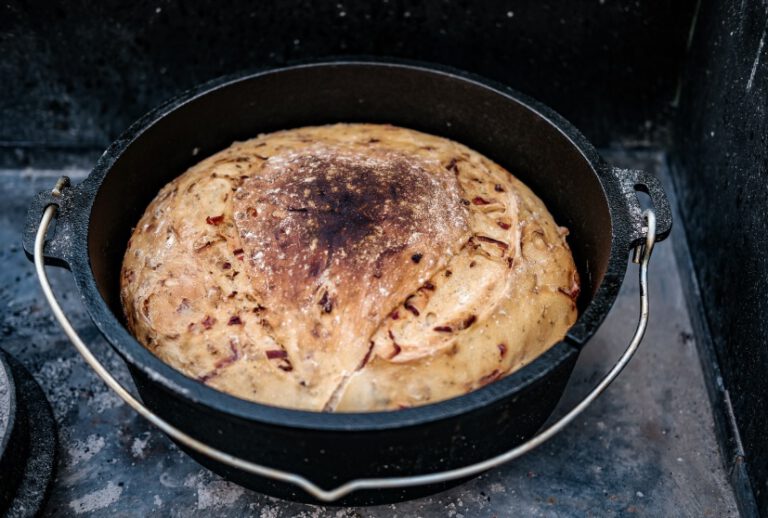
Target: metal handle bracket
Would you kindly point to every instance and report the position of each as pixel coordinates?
(55, 250)
(645, 249)
(634, 181)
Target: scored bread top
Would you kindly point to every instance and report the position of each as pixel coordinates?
(350, 267)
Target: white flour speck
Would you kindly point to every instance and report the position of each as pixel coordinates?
(104, 401)
(497, 488)
(268, 512)
(97, 499)
(218, 493)
(82, 451)
(139, 444)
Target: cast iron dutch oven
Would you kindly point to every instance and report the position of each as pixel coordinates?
(596, 202)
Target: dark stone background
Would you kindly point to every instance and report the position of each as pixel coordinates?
(721, 156)
(73, 75)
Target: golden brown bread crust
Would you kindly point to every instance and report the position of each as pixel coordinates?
(350, 267)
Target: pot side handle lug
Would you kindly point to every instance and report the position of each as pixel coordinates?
(57, 247)
(633, 181)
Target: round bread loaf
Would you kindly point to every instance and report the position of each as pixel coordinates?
(350, 267)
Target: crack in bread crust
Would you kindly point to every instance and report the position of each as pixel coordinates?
(330, 244)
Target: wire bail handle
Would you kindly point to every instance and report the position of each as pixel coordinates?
(641, 256)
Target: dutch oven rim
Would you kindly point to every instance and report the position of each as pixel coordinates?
(170, 379)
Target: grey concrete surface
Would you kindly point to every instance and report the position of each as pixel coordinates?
(645, 448)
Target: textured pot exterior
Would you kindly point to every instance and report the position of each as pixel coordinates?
(596, 202)
(13, 436)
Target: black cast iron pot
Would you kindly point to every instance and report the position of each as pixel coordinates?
(596, 202)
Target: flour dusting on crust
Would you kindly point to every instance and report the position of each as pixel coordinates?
(350, 267)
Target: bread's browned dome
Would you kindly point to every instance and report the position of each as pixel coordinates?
(349, 267)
